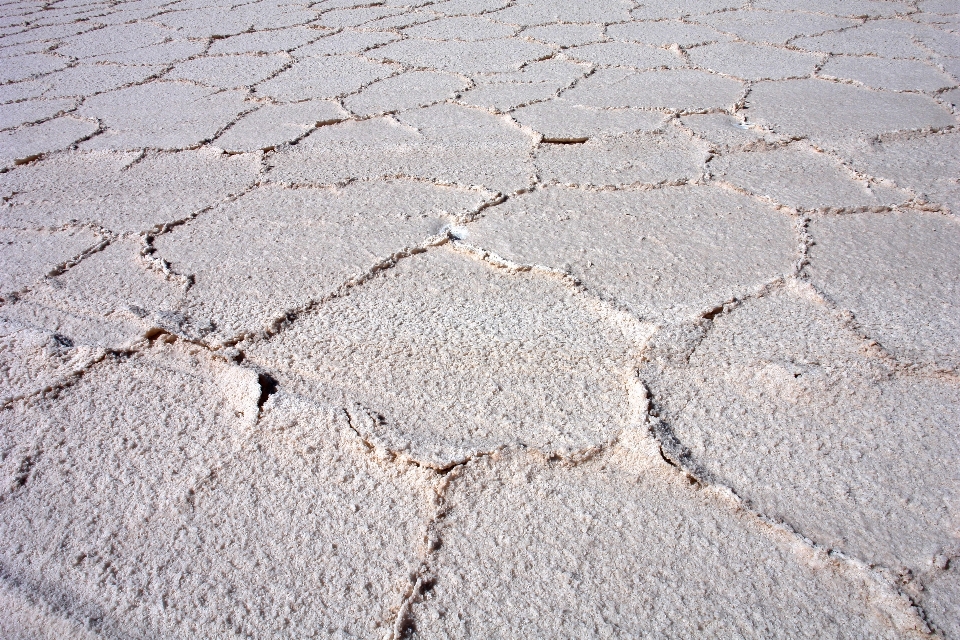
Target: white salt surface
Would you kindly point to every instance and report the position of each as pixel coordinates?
(480, 319)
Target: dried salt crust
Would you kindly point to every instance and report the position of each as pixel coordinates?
(479, 318)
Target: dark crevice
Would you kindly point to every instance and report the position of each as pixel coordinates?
(546, 140)
(268, 387)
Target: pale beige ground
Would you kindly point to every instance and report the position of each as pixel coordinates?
(480, 319)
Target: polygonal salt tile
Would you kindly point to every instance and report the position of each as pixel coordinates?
(664, 33)
(31, 64)
(665, 254)
(951, 98)
(460, 28)
(504, 96)
(799, 177)
(276, 249)
(33, 360)
(435, 143)
(780, 402)
(18, 113)
(110, 300)
(45, 33)
(115, 39)
(850, 8)
(29, 142)
(938, 6)
(941, 41)
(774, 27)
(89, 79)
(352, 17)
(727, 131)
(229, 72)
(325, 77)
(158, 54)
(682, 8)
(29, 255)
(161, 115)
(116, 191)
(899, 273)
(346, 41)
(206, 21)
(565, 35)
(559, 377)
(753, 62)
(835, 114)
(924, 165)
(561, 121)
(400, 21)
(677, 90)
(154, 452)
(532, 548)
(405, 91)
(14, 50)
(896, 75)
(941, 592)
(537, 12)
(467, 7)
(647, 159)
(877, 37)
(265, 41)
(274, 124)
(455, 56)
(559, 73)
(624, 54)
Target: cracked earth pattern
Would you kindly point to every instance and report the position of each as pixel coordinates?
(480, 319)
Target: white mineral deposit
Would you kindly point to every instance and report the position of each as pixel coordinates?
(479, 319)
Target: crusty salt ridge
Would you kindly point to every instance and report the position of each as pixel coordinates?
(473, 318)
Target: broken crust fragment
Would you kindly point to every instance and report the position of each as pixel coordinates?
(145, 483)
(625, 545)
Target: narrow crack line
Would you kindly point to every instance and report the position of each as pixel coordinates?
(61, 268)
(872, 346)
(678, 456)
(807, 211)
(69, 379)
(287, 318)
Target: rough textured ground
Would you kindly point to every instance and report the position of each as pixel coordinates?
(479, 319)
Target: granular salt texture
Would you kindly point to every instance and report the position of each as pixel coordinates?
(899, 273)
(276, 250)
(438, 143)
(665, 254)
(641, 159)
(788, 407)
(623, 545)
(421, 233)
(560, 378)
(124, 192)
(202, 508)
(798, 176)
(161, 115)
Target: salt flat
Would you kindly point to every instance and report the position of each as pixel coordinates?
(480, 319)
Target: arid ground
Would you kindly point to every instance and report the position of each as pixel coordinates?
(480, 319)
